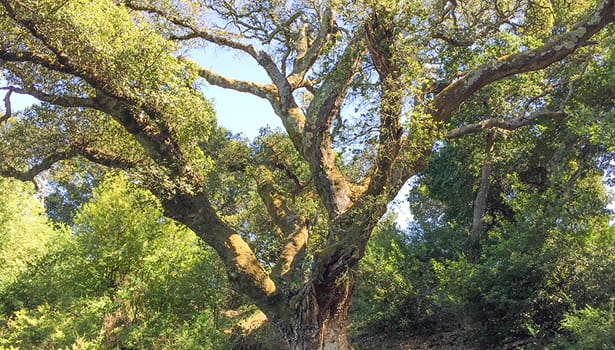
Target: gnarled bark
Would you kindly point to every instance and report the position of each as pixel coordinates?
(317, 317)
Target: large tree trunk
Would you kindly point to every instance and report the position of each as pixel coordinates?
(317, 319)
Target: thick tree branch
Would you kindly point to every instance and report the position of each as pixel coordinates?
(275, 203)
(332, 186)
(42, 165)
(133, 121)
(263, 91)
(380, 40)
(245, 272)
(502, 123)
(160, 144)
(453, 95)
(289, 266)
(295, 228)
(307, 56)
(480, 202)
(389, 145)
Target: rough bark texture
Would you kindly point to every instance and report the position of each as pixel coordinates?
(317, 320)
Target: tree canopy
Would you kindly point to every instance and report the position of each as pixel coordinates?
(366, 91)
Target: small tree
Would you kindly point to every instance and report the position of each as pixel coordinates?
(363, 90)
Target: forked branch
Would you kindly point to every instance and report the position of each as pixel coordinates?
(307, 57)
(332, 185)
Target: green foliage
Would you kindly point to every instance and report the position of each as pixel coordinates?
(70, 186)
(546, 241)
(25, 234)
(125, 277)
(590, 328)
(48, 327)
(118, 94)
(396, 289)
(498, 296)
(536, 266)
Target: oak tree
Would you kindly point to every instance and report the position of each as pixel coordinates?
(364, 90)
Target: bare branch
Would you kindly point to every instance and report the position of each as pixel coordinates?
(280, 97)
(457, 92)
(502, 123)
(263, 59)
(194, 31)
(42, 165)
(263, 91)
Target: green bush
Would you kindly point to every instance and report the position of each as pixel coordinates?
(590, 328)
(125, 277)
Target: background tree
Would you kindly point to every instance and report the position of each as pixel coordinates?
(24, 233)
(124, 278)
(545, 233)
(371, 81)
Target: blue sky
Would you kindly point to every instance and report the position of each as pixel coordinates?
(236, 111)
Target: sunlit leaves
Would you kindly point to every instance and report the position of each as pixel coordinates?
(119, 53)
(124, 276)
(24, 230)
